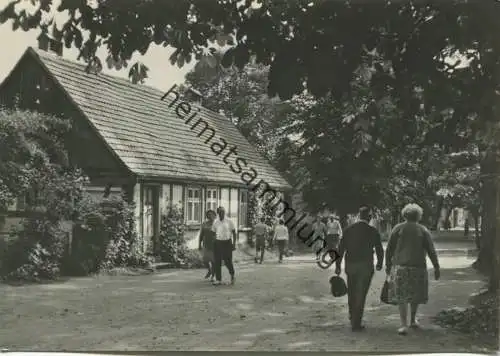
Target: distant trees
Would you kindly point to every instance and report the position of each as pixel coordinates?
(242, 96)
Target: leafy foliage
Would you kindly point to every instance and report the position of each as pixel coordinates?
(172, 246)
(459, 181)
(352, 153)
(105, 237)
(480, 320)
(32, 155)
(34, 252)
(138, 73)
(241, 95)
(261, 207)
(409, 170)
(415, 40)
(34, 163)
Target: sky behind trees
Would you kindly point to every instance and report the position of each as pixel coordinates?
(162, 74)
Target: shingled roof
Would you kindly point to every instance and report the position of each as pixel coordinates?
(146, 134)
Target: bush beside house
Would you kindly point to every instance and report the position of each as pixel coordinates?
(34, 164)
(104, 237)
(171, 246)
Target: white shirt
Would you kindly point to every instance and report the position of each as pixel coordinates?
(223, 229)
(281, 232)
(334, 228)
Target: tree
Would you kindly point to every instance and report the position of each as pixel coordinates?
(242, 96)
(320, 46)
(33, 159)
(458, 182)
(353, 159)
(34, 165)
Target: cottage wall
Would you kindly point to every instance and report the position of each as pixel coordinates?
(227, 197)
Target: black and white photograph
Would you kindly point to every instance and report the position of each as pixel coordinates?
(250, 175)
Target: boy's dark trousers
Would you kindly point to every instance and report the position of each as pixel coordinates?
(359, 278)
(223, 251)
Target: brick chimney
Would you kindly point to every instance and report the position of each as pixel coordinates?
(49, 44)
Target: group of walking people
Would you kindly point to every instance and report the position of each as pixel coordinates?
(218, 241)
(218, 238)
(405, 265)
(277, 235)
(405, 257)
(329, 230)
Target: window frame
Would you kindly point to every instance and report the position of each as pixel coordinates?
(195, 202)
(243, 208)
(212, 200)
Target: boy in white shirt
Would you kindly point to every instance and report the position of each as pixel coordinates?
(281, 237)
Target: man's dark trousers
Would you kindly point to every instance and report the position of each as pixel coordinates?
(223, 251)
(359, 278)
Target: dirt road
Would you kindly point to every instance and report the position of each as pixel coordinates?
(272, 307)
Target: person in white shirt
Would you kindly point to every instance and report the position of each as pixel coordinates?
(333, 232)
(223, 246)
(281, 237)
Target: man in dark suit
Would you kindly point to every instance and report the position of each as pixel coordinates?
(358, 243)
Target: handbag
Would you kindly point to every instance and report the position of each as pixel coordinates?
(384, 295)
(338, 287)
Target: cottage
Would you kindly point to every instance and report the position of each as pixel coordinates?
(126, 138)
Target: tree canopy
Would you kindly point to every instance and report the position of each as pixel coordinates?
(241, 95)
(316, 45)
(34, 162)
(353, 162)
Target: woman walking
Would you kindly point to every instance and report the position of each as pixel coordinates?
(207, 239)
(409, 244)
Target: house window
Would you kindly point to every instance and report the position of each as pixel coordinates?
(243, 209)
(193, 202)
(212, 198)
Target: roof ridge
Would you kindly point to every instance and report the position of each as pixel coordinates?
(129, 116)
(52, 56)
(125, 82)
